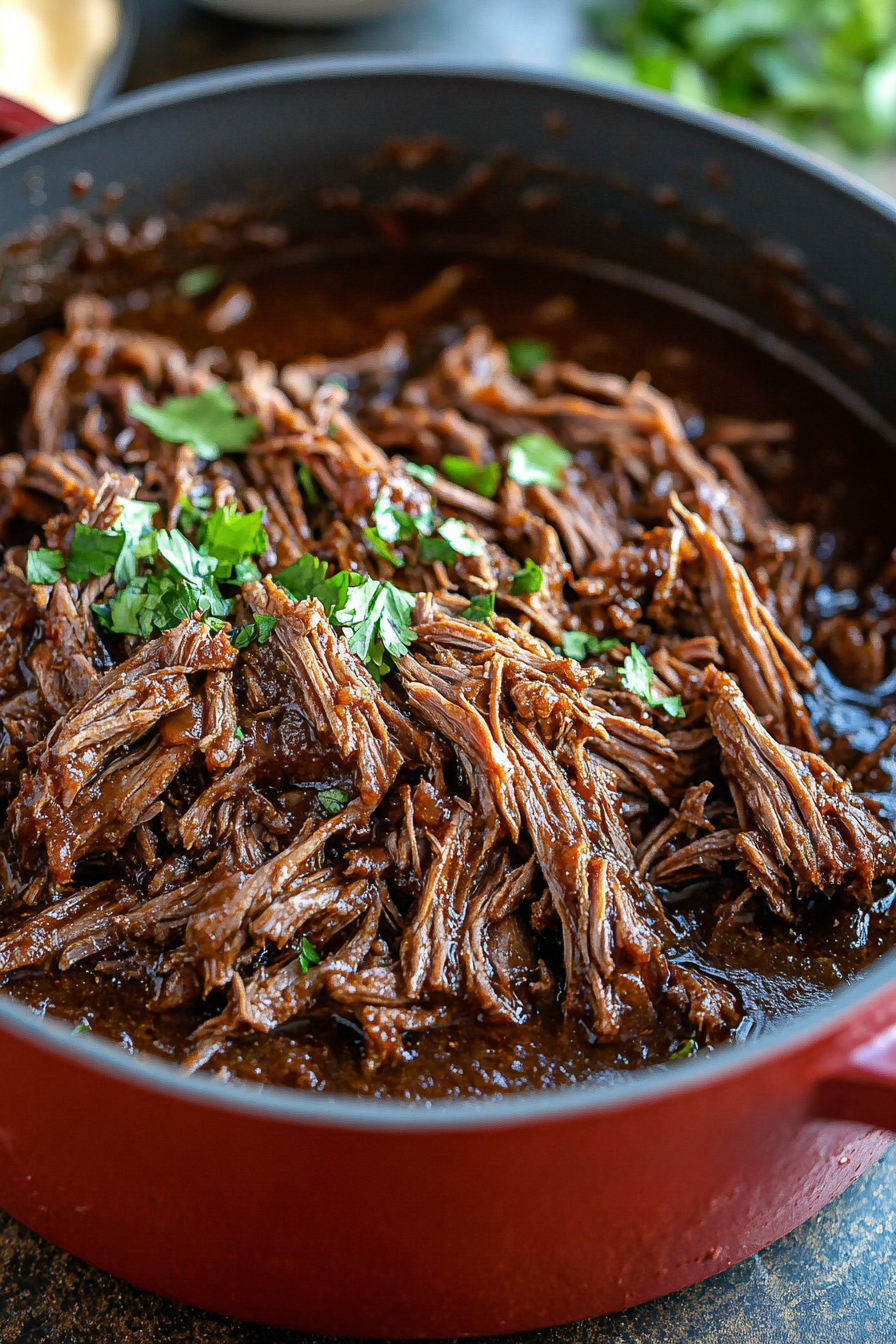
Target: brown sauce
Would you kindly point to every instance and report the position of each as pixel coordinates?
(833, 473)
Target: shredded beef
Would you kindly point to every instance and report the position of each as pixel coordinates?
(456, 819)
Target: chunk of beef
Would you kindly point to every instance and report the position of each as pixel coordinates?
(338, 692)
(802, 827)
(756, 650)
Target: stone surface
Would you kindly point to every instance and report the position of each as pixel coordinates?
(833, 1279)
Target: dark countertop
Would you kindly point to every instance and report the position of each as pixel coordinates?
(834, 1279)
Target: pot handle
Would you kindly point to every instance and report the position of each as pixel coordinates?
(16, 119)
(864, 1087)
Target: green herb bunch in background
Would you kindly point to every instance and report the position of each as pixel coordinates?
(807, 67)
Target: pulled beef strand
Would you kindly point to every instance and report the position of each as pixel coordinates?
(485, 849)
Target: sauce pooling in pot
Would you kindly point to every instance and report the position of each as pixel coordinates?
(454, 849)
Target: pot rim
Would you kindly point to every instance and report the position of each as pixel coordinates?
(391, 1114)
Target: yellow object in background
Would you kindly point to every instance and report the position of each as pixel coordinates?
(51, 51)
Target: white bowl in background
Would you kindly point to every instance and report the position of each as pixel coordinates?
(306, 13)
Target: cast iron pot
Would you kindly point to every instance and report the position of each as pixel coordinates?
(373, 1218)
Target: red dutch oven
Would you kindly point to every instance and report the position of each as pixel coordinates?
(365, 1217)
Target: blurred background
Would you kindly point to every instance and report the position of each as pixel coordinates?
(820, 71)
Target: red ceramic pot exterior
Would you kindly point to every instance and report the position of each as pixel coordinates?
(16, 119)
(366, 1220)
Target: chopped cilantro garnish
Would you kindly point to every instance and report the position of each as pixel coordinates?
(245, 571)
(238, 733)
(81, 1029)
(44, 566)
(688, 1047)
(231, 537)
(455, 533)
(391, 524)
(527, 580)
(308, 956)
(92, 553)
(135, 525)
(382, 548)
(332, 800)
(450, 541)
(424, 474)
(308, 578)
(308, 485)
(526, 355)
(208, 422)
(193, 511)
(536, 459)
(480, 609)
(637, 677)
(199, 281)
(258, 629)
(376, 621)
(156, 602)
(580, 645)
(183, 556)
(461, 471)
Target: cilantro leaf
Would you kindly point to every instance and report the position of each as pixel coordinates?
(244, 571)
(208, 422)
(308, 485)
(193, 512)
(637, 677)
(391, 524)
(525, 355)
(238, 733)
(231, 537)
(480, 609)
(308, 955)
(332, 800)
(461, 471)
(377, 613)
(199, 281)
(382, 548)
(135, 524)
(688, 1047)
(455, 533)
(450, 541)
(527, 580)
(156, 602)
(424, 474)
(92, 553)
(258, 629)
(82, 1029)
(308, 578)
(44, 566)
(579, 644)
(536, 459)
(182, 555)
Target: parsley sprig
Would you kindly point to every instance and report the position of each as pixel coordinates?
(637, 677)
